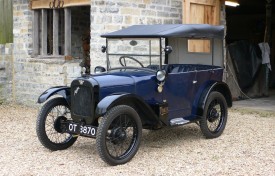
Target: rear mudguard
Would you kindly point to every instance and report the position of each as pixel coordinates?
(146, 113)
(64, 91)
(203, 93)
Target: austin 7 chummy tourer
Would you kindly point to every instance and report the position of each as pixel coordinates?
(155, 76)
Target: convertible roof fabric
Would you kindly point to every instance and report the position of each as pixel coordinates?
(169, 30)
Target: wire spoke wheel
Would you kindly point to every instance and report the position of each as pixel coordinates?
(49, 127)
(214, 118)
(118, 135)
(121, 137)
(214, 115)
(57, 113)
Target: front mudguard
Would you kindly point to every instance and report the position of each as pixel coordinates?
(64, 91)
(107, 103)
(146, 113)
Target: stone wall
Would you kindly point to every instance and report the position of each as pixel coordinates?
(6, 70)
(22, 33)
(34, 76)
(111, 15)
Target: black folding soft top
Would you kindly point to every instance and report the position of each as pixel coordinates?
(169, 30)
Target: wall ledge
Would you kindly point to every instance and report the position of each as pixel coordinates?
(52, 60)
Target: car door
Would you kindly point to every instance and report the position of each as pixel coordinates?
(178, 93)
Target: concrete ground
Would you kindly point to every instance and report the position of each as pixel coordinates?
(257, 104)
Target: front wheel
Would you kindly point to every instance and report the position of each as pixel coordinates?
(214, 118)
(119, 134)
(49, 125)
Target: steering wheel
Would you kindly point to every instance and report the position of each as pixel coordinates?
(129, 57)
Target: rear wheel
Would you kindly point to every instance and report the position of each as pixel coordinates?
(214, 118)
(49, 125)
(119, 134)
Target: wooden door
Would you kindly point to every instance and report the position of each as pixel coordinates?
(201, 12)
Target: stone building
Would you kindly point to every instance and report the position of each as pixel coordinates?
(47, 45)
(47, 37)
(28, 67)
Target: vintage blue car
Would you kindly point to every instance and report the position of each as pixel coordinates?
(154, 77)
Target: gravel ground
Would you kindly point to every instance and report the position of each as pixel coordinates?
(247, 147)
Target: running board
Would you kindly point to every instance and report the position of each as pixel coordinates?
(178, 121)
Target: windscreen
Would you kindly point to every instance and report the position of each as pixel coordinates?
(133, 52)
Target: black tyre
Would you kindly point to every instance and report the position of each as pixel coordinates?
(118, 135)
(48, 125)
(214, 117)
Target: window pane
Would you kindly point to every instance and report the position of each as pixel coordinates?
(50, 32)
(61, 32)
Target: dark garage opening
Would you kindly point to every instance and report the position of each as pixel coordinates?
(246, 28)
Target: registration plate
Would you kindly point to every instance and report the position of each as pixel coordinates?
(83, 130)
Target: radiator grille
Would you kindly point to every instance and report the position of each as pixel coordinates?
(82, 101)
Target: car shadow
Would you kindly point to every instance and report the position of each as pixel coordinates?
(168, 136)
(162, 138)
